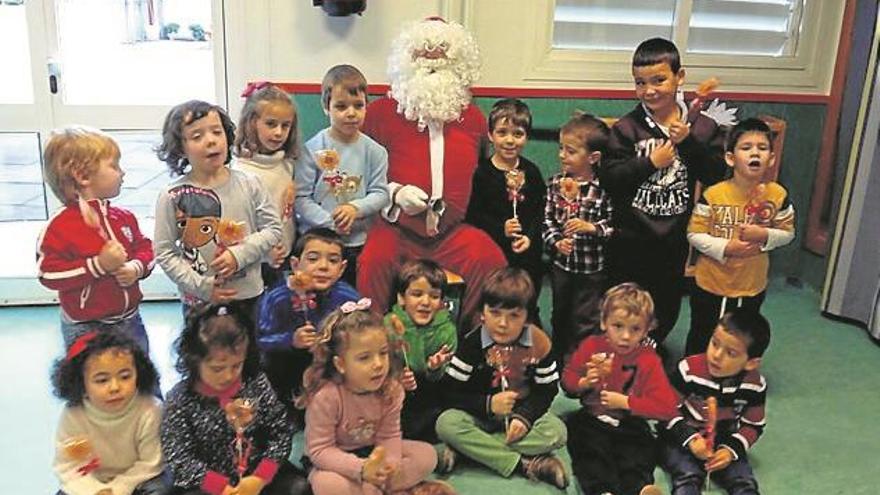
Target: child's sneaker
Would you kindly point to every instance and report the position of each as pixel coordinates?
(446, 460)
(547, 468)
(651, 490)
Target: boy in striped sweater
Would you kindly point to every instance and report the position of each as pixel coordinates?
(728, 372)
(500, 384)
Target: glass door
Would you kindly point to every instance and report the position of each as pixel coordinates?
(117, 65)
(122, 63)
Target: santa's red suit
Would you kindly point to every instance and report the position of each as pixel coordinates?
(456, 246)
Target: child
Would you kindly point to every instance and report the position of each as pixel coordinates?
(108, 437)
(656, 154)
(224, 402)
(426, 342)
(266, 145)
(213, 224)
(620, 382)
(500, 384)
(516, 229)
(734, 225)
(577, 225)
(727, 371)
(353, 415)
(288, 318)
(346, 194)
(92, 253)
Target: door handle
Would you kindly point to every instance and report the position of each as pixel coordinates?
(54, 74)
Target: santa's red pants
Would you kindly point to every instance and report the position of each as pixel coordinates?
(465, 250)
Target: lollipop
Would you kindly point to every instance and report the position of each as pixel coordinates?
(759, 212)
(711, 420)
(240, 413)
(399, 329)
(230, 232)
(704, 89)
(602, 361)
(303, 299)
(79, 449)
(571, 191)
(569, 188)
(287, 201)
(327, 160)
(514, 179)
(499, 358)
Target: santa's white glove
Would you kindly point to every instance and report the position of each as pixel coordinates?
(411, 199)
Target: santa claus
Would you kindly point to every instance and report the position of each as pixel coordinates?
(432, 133)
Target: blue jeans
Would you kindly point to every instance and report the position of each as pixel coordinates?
(688, 475)
(133, 326)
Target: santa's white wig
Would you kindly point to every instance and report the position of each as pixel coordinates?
(433, 88)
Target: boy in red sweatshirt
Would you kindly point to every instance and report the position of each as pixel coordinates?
(621, 383)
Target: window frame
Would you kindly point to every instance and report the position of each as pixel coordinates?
(808, 71)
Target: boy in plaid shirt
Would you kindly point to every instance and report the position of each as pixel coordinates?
(577, 225)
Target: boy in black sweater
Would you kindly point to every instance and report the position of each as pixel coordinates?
(500, 384)
(657, 153)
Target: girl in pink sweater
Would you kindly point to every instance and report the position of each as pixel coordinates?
(354, 398)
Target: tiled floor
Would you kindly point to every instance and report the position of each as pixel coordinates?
(21, 179)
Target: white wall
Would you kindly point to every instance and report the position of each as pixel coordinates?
(293, 41)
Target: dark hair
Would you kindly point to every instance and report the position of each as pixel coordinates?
(415, 269)
(325, 234)
(512, 110)
(744, 127)
(507, 288)
(590, 129)
(171, 150)
(196, 202)
(68, 382)
(247, 142)
(657, 51)
(347, 76)
(750, 326)
(208, 326)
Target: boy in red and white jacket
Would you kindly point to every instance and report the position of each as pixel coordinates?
(93, 254)
(621, 383)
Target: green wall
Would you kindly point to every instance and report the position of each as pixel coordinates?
(800, 155)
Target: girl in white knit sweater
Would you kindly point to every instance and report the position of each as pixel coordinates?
(107, 440)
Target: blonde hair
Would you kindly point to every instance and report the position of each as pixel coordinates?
(630, 297)
(333, 340)
(247, 143)
(72, 154)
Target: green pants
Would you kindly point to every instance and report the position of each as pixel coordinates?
(483, 441)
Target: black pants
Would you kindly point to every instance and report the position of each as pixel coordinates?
(421, 408)
(289, 480)
(608, 459)
(284, 369)
(535, 267)
(658, 267)
(576, 300)
(707, 309)
(350, 254)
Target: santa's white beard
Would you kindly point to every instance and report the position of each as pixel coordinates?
(423, 95)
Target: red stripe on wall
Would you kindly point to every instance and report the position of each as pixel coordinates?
(571, 93)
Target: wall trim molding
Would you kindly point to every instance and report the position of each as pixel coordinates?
(572, 93)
